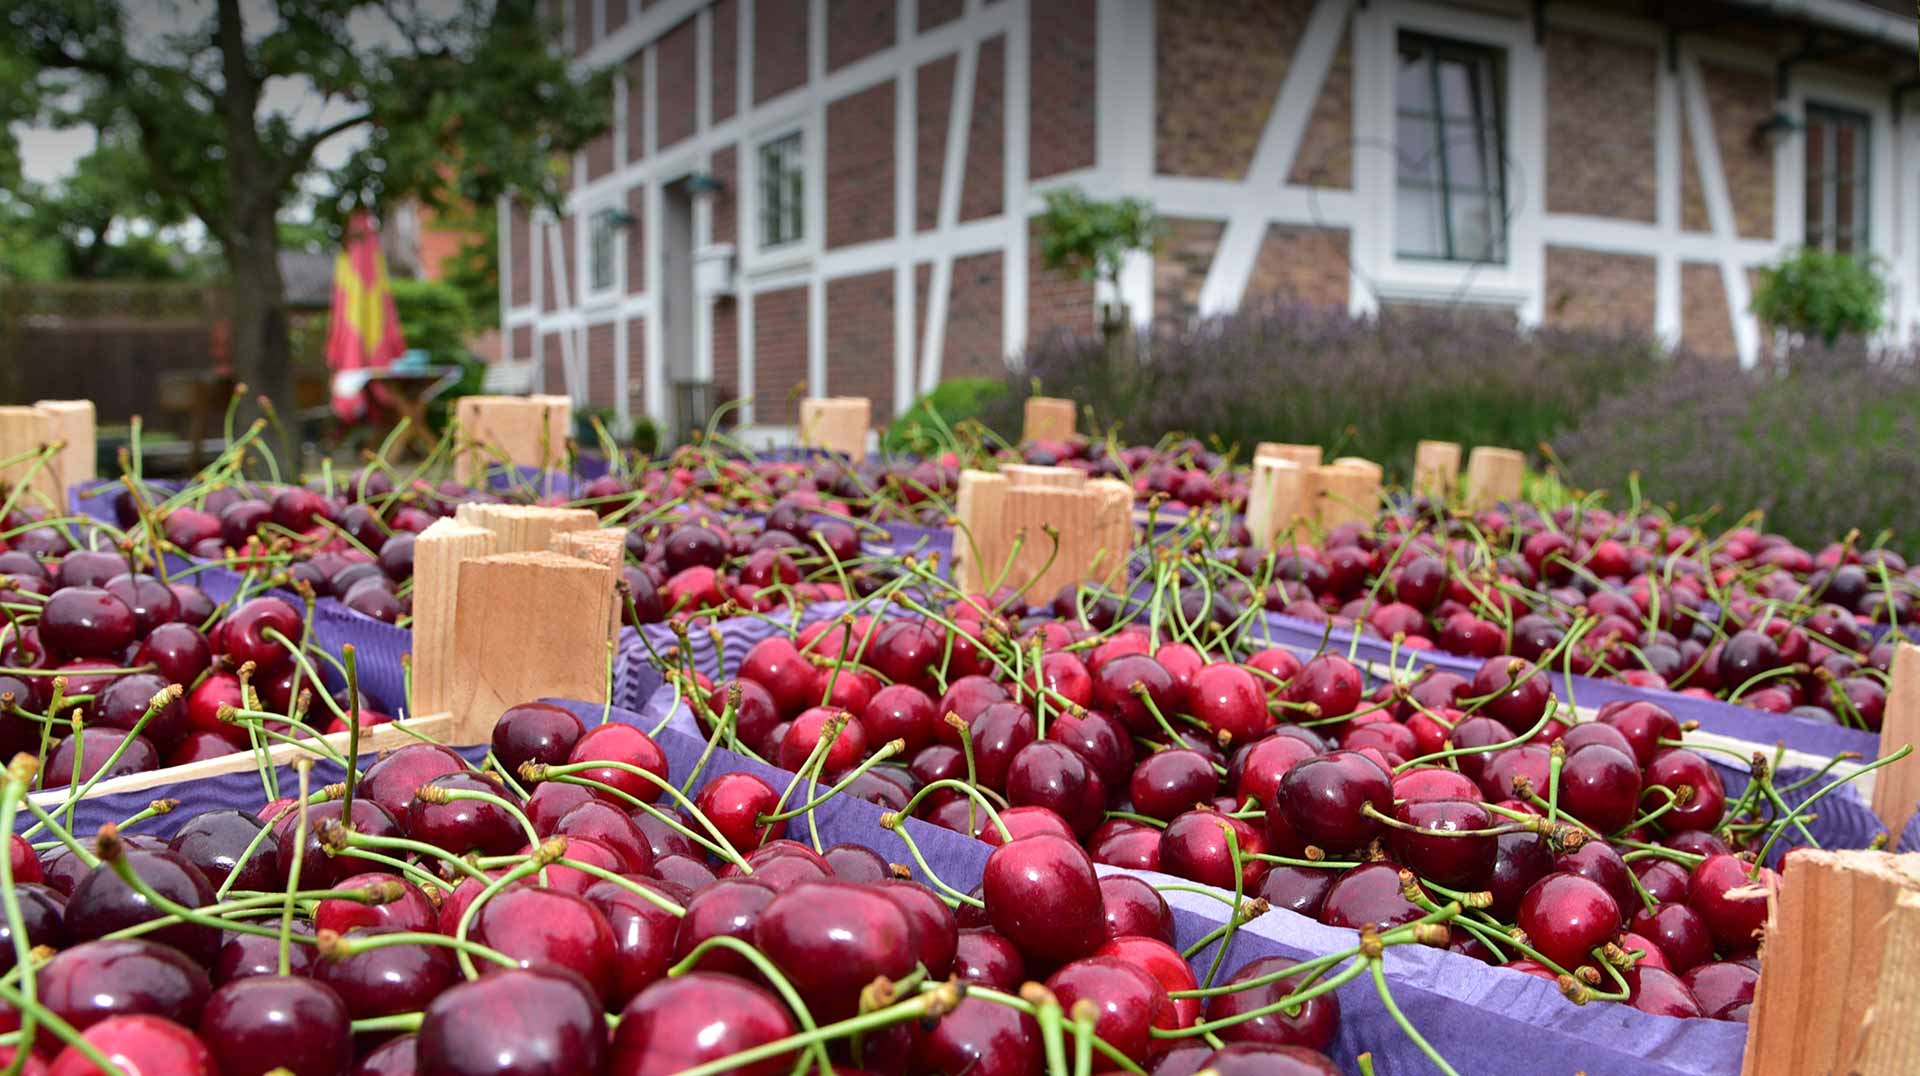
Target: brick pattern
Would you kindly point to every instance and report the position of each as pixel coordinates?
(1180, 266)
(726, 58)
(600, 156)
(1706, 325)
(520, 342)
(1220, 65)
(1600, 125)
(933, 101)
(780, 34)
(982, 193)
(582, 26)
(637, 240)
(1741, 101)
(519, 255)
(859, 166)
(922, 289)
(779, 355)
(638, 399)
(553, 366)
(1596, 290)
(1056, 301)
(726, 201)
(1064, 95)
(1325, 158)
(726, 350)
(935, 13)
(973, 340)
(860, 339)
(676, 83)
(636, 76)
(1301, 264)
(616, 16)
(857, 29)
(601, 390)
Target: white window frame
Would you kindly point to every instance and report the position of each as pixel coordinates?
(757, 259)
(590, 213)
(1515, 282)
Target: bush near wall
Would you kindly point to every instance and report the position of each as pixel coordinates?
(1370, 387)
(1821, 442)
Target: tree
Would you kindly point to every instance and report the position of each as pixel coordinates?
(103, 222)
(464, 106)
(1092, 239)
(1821, 294)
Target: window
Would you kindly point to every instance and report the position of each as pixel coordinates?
(1837, 159)
(602, 229)
(782, 190)
(1450, 199)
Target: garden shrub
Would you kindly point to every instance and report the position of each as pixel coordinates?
(952, 402)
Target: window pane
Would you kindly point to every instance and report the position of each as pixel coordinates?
(1457, 98)
(1467, 165)
(1417, 224)
(1414, 88)
(1413, 148)
(1837, 194)
(1476, 227)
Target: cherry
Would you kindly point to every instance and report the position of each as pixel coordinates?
(243, 634)
(1135, 909)
(1644, 724)
(1519, 691)
(734, 803)
(1194, 845)
(1733, 904)
(549, 927)
(643, 933)
(1312, 1025)
(984, 957)
(1122, 843)
(1322, 798)
(102, 903)
(776, 665)
(1565, 916)
(1297, 889)
(398, 1056)
(390, 979)
(625, 744)
(40, 916)
(1433, 783)
(318, 870)
(1600, 786)
(1116, 681)
(1099, 739)
(392, 781)
(1461, 862)
(1267, 1059)
(242, 955)
(1660, 992)
(900, 712)
(935, 930)
(1257, 769)
(122, 976)
(1168, 783)
(980, 1038)
(535, 732)
(1162, 961)
(731, 906)
(525, 1022)
(1672, 768)
(1663, 878)
(998, 733)
(411, 911)
(965, 698)
(261, 1023)
(1723, 989)
(153, 604)
(608, 827)
(678, 1024)
(1042, 894)
(810, 728)
(1129, 1003)
(904, 652)
(462, 826)
(1368, 895)
(1679, 931)
(857, 863)
(87, 622)
(1598, 862)
(1051, 775)
(1230, 700)
(214, 841)
(832, 939)
(139, 1044)
(1329, 684)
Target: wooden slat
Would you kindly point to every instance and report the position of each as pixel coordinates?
(1493, 475)
(1048, 418)
(71, 422)
(437, 554)
(1897, 792)
(1346, 491)
(528, 431)
(837, 424)
(24, 430)
(527, 625)
(978, 507)
(1026, 476)
(1436, 469)
(1277, 499)
(1306, 457)
(526, 528)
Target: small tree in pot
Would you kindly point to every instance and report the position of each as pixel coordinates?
(1091, 239)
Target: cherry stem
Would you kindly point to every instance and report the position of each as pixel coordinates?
(1378, 966)
(621, 880)
(887, 751)
(571, 773)
(304, 768)
(1760, 859)
(533, 863)
(12, 789)
(965, 788)
(342, 946)
(772, 974)
(1240, 909)
(913, 849)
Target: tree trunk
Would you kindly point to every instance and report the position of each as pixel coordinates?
(262, 348)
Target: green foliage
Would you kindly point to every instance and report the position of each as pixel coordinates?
(434, 317)
(646, 436)
(102, 222)
(925, 426)
(1821, 294)
(475, 267)
(1090, 238)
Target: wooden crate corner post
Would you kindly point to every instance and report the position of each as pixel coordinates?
(1493, 475)
(837, 424)
(978, 508)
(1346, 491)
(1896, 786)
(524, 528)
(1305, 457)
(24, 431)
(1436, 469)
(1048, 418)
(526, 626)
(72, 423)
(1276, 499)
(437, 554)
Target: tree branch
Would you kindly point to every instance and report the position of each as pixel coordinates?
(302, 151)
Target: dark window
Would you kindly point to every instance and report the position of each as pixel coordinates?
(1450, 192)
(1837, 159)
(782, 185)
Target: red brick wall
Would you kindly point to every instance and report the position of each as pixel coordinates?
(1220, 65)
(600, 156)
(519, 255)
(726, 350)
(521, 342)
(974, 331)
(636, 107)
(1741, 101)
(779, 355)
(1706, 325)
(637, 240)
(982, 193)
(1693, 199)
(601, 390)
(1597, 290)
(1600, 125)
(938, 12)
(726, 201)
(933, 100)
(553, 364)
(1301, 264)
(860, 166)
(857, 29)
(1063, 95)
(1180, 265)
(616, 16)
(674, 76)
(1055, 301)
(860, 339)
(582, 25)
(1325, 158)
(726, 57)
(637, 398)
(780, 35)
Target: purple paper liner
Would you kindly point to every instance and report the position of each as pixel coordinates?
(1714, 716)
(501, 478)
(1909, 836)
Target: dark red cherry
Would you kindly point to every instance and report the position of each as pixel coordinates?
(214, 841)
(461, 826)
(643, 933)
(1597, 861)
(392, 781)
(1518, 688)
(998, 733)
(525, 1022)
(152, 602)
(776, 665)
(1115, 691)
(1051, 775)
(1135, 909)
(611, 828)
(808, 729)
(1256, 770)
(1519, 860)
(734, 803)
(1194, 845)
(1297, 889)
(91, 749)
(318, 870)
(1322, 799)
(389, 979)
(139, 1044)
(1368, 895)
(857, 863)
(1459, 862)
(900, 712)
(102, 903)
(1733, 904)
(1268, 1059)
(935, 930)
(1601, 787)
(1042, 894)
(1672, 768)
(1663, 878)
(411, 910)
(832, 939)
(1680, 933)
(1660, 992)
(113, 977)
(980, 1038)
(1566, 916)
(1231, 701)
(87, 622)
(1129, 1003)
(1122, 843)
(1169, 783)
(261, 1023)
(983, 956)
(535, 732)
(1312, 1026)
(1644, 724)
(244, 633)
(678, 1024)
(41, 908)
(544, 927)
(1723, 989)
(550, 801)
(242, 955)
(624, 744)
(730, 906)
(125, 702)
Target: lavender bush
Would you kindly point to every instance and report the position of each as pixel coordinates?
(1368, 386)
(1821, 440)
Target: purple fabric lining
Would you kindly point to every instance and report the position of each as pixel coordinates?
(1909, 836)
(544, 483)
(1713, 715)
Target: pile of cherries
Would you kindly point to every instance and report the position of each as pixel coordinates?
(1615, 852)
(433, 918)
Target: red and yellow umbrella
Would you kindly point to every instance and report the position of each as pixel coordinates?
(365, 332)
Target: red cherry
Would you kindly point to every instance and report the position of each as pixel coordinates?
(1194, 845)
(1565, 916)
(139, 1044)
(1042, 894)
(1321, 798)
(1129, 1003)
(678, 1024)
(1312, 1025)
(1733, 904)
(733, 802)
(1135, 909)
(528, 1021)
(623, 744)
(1169, 783)
(1162, 961)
